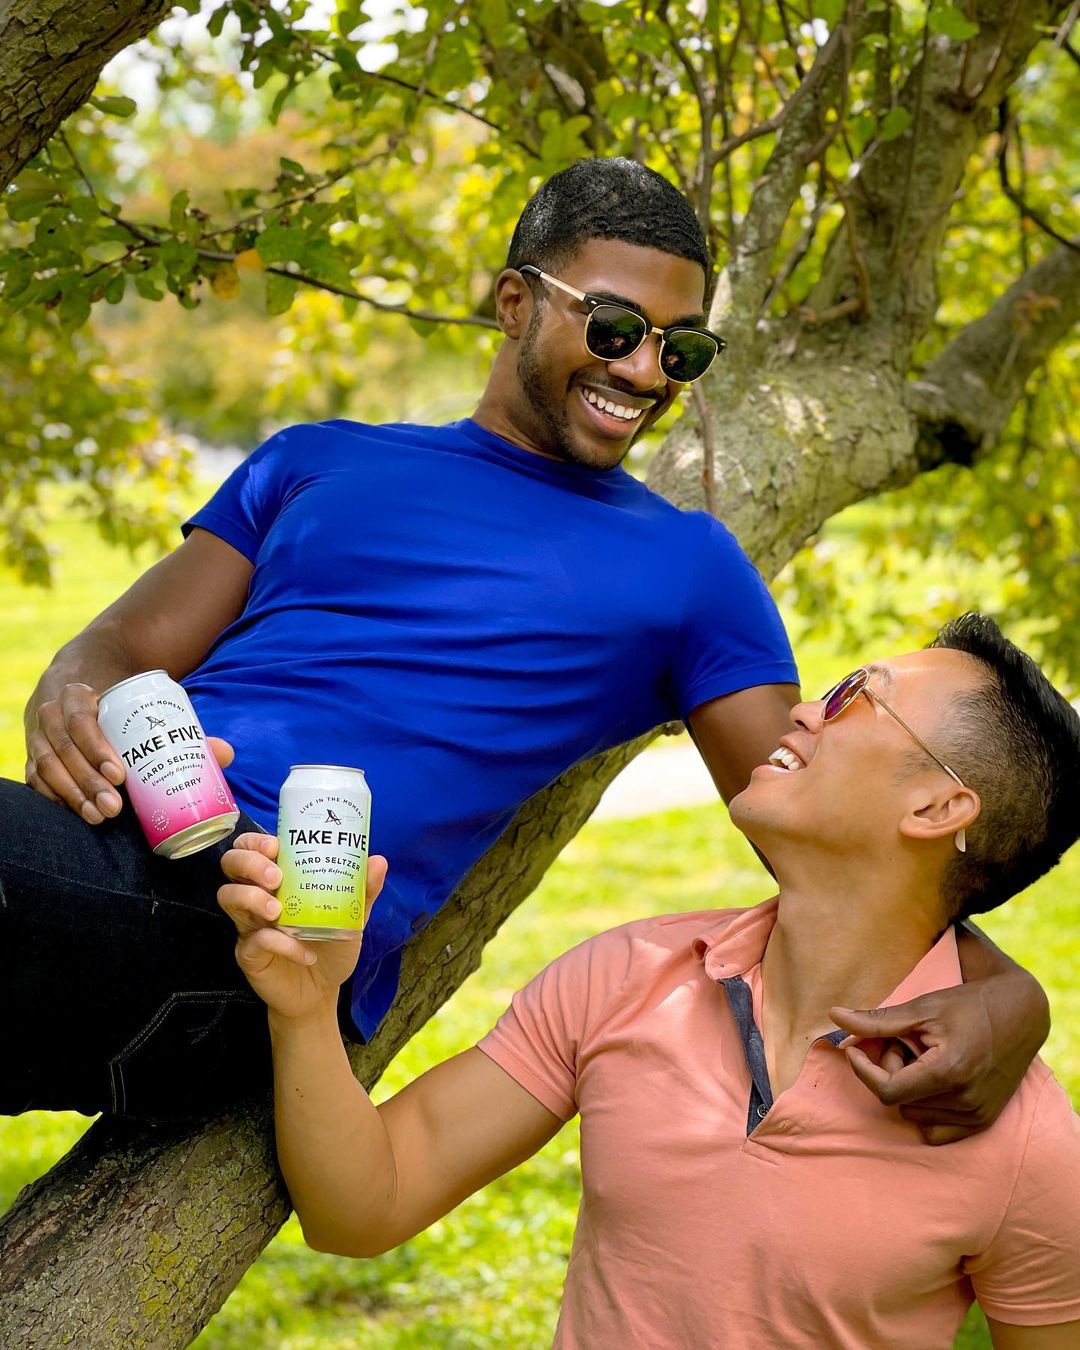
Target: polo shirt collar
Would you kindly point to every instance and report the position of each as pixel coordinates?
(737, 943)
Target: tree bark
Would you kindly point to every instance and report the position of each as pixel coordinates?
(51, 55)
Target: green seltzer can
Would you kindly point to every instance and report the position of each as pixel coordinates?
(323, 815)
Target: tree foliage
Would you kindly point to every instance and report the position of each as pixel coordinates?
(408, 142)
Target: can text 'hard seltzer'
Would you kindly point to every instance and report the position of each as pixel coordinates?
(323, 816)
(179, 794)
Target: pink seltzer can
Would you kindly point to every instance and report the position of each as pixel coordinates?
(179, 794)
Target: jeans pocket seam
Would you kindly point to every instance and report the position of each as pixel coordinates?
(116, 1063)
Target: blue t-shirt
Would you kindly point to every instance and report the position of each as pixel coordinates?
(464, 620)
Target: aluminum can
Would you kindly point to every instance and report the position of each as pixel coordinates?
(323, 815)
(179, 794)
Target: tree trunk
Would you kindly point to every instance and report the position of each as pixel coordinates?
(51, 55)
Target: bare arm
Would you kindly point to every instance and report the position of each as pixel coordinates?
(167, 620)
(1006, 1336)
(736, 733)
(364, 1179)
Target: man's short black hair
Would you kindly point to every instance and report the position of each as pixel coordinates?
(1016, 741)
(605, 199)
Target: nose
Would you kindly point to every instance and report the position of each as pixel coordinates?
(641, 369)
(808, 716)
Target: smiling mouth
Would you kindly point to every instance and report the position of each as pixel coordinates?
(786, 760)
(615, 415)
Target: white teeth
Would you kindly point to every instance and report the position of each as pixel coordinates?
(615, 409)
(786, 759)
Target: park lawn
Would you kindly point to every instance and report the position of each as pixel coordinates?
(490, 1274)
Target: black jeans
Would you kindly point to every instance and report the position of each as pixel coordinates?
(117, 976)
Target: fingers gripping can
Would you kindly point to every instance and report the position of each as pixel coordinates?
(179, 794)
(323, 816)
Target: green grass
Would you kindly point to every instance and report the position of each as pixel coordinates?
(490, 1274)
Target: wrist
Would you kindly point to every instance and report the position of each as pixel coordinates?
(318, 1021)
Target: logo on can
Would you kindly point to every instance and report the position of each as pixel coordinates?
(323, 816)
(176, 788)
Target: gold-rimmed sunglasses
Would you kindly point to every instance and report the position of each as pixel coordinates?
(844, 694)
(614, 332)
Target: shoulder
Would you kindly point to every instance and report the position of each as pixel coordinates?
(306, 450)
(1035, 1143)
(635, 951)
(1053, 1127)
(340, 433)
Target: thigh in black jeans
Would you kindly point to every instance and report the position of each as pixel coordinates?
(118, 985)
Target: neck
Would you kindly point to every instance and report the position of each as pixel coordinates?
(845, 934)
(499, 413)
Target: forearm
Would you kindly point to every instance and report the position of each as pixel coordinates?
(332, 1145)
(98, 656)
(980, 959)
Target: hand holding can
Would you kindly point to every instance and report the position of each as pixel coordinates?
(293, 979)
(179, 794)
(323, 818)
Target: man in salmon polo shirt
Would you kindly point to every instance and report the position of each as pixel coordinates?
(741, 1187)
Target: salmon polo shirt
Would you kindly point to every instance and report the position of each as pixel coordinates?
(829, 1222)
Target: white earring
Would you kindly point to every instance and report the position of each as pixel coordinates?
(960, 839)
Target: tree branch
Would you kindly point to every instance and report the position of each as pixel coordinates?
(306, 279)
(745, 281)
(965, 397)
(1027, 212)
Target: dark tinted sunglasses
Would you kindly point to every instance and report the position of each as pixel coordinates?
(613, 332)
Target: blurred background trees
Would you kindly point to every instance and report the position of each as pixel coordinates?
(280, 211)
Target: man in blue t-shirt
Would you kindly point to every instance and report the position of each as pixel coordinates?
(465, 612)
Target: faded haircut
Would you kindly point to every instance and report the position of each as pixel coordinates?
(1016, 741)
(605, 199)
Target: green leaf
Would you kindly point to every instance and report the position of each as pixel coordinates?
(278, 244)
(495, 20)
(280, 293)
(263, 72)
(74, 308)
(178, 209)
(949, 22)
(28, 203)
(217, 20)
(349, 17)
(179, 258)
(895, 122)
(146, 285)
(562, 138)
(32, 179)
(346, 59)
(115, 287)
(291, 166)
(115, 105)
(280, 98)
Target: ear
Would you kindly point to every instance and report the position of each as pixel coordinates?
(946, 813)
(513, 303)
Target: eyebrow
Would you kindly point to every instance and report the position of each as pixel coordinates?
(683, 321)
(883, 672)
